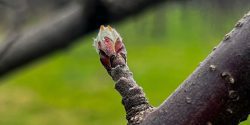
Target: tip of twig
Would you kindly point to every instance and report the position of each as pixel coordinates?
(110, 47)
(107, 37)
(102, 27)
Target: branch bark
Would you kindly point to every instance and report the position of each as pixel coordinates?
(133, 98)
(218, 91)
(62, 30)
(113, 56)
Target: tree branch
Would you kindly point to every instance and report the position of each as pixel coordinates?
(133, 98)
(62, 30)
(218, 91)
(113, 56)
(43, 39)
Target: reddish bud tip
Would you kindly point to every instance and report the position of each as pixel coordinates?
(108, 43)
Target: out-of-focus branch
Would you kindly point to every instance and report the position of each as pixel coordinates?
(43, 39)
(218, 92)
(60, 31)
(18, 13)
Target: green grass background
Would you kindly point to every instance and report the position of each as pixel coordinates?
(71, 87)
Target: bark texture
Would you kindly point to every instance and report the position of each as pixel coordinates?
(133, 98)
(218, 91)
(113, 56)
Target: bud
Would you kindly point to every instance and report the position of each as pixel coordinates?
(110, 47)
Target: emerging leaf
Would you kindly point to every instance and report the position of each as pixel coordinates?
(110, 47)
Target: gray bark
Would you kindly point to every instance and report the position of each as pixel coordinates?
(133, 98)
(218, 91)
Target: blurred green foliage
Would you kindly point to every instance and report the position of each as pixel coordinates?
(72, 88)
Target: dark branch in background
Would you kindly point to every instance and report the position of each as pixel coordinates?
(63, 29)
(43, 39)
(18, 12)
(218, 91)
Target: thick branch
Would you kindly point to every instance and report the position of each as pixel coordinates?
(60, 31)
(218, 92)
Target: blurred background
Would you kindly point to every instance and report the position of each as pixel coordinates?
(165, 43)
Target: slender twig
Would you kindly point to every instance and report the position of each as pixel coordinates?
(113, 57)
(217, 93)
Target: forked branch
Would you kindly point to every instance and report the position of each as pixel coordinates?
(216, 93)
